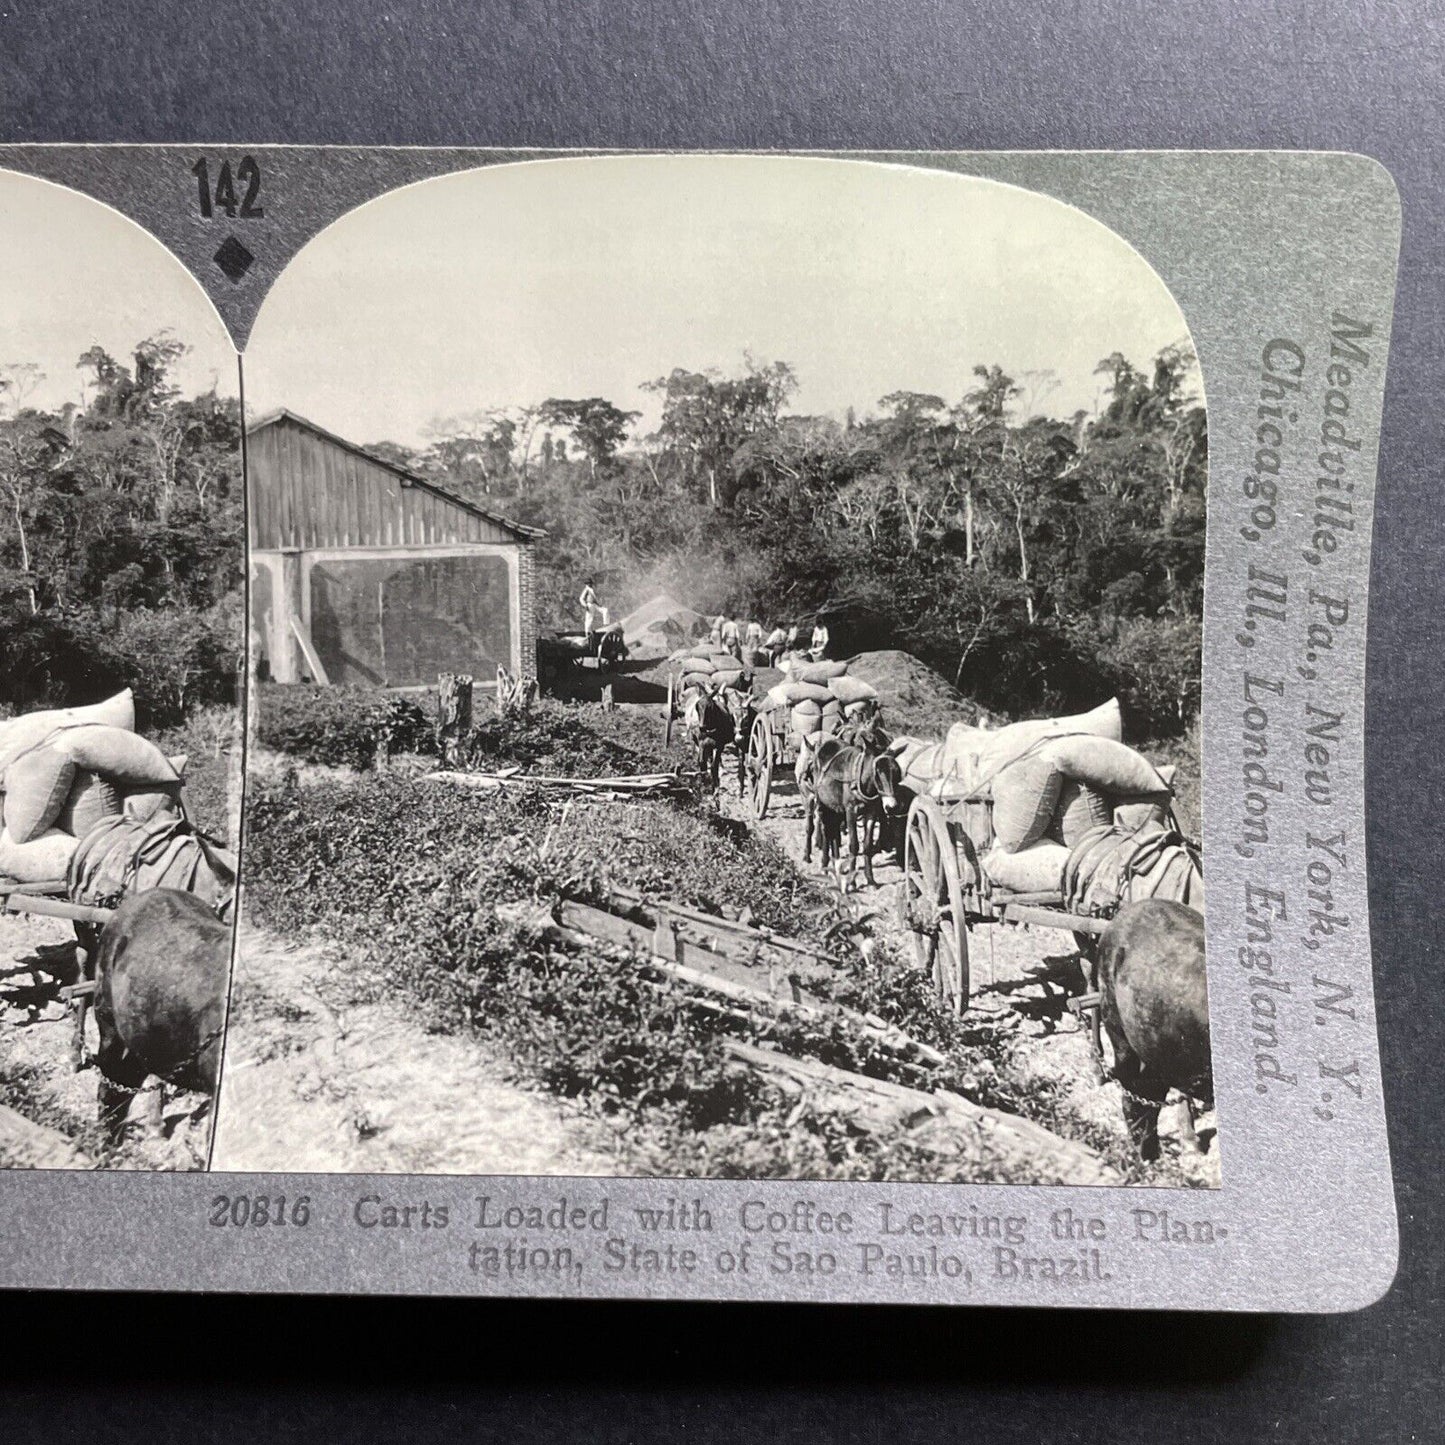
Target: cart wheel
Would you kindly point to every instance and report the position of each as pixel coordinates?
(932, 903)
(760, 768)
(671, 708)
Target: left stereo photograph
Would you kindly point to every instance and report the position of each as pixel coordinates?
(121, 644)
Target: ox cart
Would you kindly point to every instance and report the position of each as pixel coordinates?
(947, 892)
(118, 858)
(606, 648)
(772, 747)
(739, 702)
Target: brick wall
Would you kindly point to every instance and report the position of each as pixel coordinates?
(527, 622)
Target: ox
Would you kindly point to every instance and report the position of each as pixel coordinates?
(160, 999)
(845, 784)
(1154, 1006)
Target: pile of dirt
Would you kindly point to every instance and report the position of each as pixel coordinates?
(915, 699)
(661, 626)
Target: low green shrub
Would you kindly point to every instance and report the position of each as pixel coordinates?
(407, 874)
(556, 738)
(339, 726)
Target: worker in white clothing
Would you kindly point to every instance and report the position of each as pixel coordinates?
(594, 614)
(732, 638)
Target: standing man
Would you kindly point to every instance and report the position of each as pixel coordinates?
(820, 640)
(776, 643)
(715, 636)
(593, 612)
(732, 638)
(754, 642)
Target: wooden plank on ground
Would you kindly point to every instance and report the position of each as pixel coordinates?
(877, 1105)
(691, 963)
(750, 935)
(642, 785)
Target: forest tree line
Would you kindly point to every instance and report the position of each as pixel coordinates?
(120, 537)
(1040, 562)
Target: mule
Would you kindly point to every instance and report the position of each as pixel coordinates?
(712, 728)
(160, 1000)
(846, 784)
(1154, 1007)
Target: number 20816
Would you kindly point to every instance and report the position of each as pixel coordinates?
(239, 1210)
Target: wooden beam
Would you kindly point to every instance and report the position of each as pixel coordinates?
(692, 963)
(303, 641)
(57, 908)
(878, 1106)
(1053, 918)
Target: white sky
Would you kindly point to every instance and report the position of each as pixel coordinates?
(77, 274)
(587, 277)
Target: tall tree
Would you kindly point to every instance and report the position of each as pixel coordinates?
(707, 417)
(598, 427)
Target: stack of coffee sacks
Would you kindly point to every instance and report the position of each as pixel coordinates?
(65, 770)
(819, 696)
(1051, 780)
(706, 665)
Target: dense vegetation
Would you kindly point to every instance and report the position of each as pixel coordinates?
(1040, 562)
(121, 540)
(406, 875)
(340, 726)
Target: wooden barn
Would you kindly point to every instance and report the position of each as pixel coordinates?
(362, 572)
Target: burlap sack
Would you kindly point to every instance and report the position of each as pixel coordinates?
(1103, 764)
(851, 689)
(799, 692)
(91, 799)
(37, 784)
(805, 718)
(42, 860)
(819, 672)
(922, 765)
(977, 755)
(20, 734)
(1139, 815)
(125, 758)
(1080, 808)
(1025, 799)
(1035, 869)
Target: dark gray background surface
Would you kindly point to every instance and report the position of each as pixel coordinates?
(903, 74)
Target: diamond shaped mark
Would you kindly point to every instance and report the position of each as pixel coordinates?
(233, 258)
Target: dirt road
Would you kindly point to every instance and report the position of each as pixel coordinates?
(313, 1083)
(1022, 977)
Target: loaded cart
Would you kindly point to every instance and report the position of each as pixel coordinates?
(812, 699)
(772, 747)
(959, 873)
